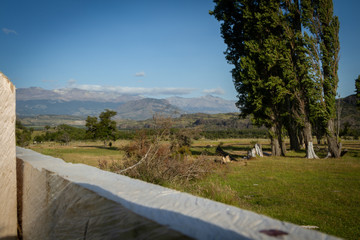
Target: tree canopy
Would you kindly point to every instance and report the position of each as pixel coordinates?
(282, 72)
(357, 91)
(105, 129)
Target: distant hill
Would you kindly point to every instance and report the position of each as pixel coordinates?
(61, 107)
(146, 108)
(349, 112)
(40, 121)
(80, 103)
(208, 122)
(36, 93)
(72, 94)
(77, 102)
(136, 110)
(205, 104)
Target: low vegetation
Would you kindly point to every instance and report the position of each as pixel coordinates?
(163, 157)
(23, 134)
(322, 192)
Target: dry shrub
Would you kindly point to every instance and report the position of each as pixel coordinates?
(103, 164)
(112, 165)
(160, 165)
(139, 146)
(163, 157)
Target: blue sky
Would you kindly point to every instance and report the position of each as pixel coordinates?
(154, 48)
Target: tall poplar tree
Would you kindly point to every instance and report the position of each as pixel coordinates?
(303, 92)
(256, 47)
(324, 47)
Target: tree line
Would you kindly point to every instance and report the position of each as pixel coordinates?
(285, 55)
(105, 129)
(64, 133)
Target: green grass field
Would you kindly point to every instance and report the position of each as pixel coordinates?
(322, 192)
(82, 152)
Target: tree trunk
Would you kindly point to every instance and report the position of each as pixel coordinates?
(275, 145)
(310, 153)
(334, 147)
(282, 146)
(281, 141)
(294, 137)
(301, 138)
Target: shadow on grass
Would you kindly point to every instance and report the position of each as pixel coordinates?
(101, 147)
(353, 153)
(236, 148)
(197, 151)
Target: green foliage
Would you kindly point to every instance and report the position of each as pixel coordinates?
(324, 48)
(91, 127)
(68, 133)
(257, 47)
(125, 134)
(105, 129)
(23, 134)
(357, 91)
(345, 131)
(62, 133)
(284, 75)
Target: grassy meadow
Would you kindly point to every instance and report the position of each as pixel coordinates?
(82, 152)
(317, 192)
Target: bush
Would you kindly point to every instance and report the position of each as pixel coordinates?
(159, 165)
(162, 157)
(23, 134)
(62, 133)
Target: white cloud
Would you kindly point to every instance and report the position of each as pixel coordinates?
(140, 74)
(71, 82)
(9, 31)
(133, 90)
(216, 91)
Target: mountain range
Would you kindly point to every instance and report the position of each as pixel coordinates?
(78, 102)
